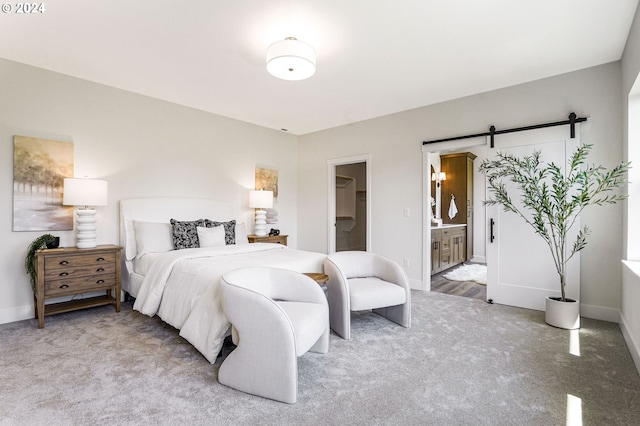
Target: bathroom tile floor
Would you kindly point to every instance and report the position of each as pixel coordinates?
(439, 284)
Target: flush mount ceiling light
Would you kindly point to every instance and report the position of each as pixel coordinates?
(291, 59)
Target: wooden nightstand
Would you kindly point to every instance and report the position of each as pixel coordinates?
(277, 239)
(70, 271)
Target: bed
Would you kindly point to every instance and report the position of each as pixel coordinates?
(182, 286)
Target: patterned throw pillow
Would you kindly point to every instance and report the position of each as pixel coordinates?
(185, 233)
(229, 230)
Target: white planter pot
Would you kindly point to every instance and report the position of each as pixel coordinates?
(562, 314)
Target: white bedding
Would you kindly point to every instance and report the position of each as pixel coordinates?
(182, 286)
(142, 264)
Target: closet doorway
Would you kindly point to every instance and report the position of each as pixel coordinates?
(350, 204)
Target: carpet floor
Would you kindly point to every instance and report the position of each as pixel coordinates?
(463, 362)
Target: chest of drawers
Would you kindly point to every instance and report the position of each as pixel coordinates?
(73, 271)
(276, 239)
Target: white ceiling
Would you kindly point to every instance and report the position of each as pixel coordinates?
(374, 57)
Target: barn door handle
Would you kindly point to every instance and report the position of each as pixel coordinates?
(492, 237)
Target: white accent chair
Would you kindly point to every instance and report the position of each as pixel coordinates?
(276, 315)
(360, 281)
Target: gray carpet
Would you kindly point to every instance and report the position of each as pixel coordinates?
(464, 362)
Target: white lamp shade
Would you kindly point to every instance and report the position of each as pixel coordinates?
(291, 59)
(84, 192)
(261, 199)
(437, 177)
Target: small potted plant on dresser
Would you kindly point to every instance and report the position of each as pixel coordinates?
(40, 243)
(550, 201)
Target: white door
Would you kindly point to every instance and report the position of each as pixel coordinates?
(520, 270)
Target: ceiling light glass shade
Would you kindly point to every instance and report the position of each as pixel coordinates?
(291, 59)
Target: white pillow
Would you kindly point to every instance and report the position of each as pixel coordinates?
(153, 237)
(241, 234)
(211, 237)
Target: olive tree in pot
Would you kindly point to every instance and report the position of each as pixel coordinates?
(550, 201)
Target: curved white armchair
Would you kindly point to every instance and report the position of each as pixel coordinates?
(360, 281)
(276, 315)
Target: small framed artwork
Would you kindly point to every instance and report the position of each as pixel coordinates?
(267, 179)
(272, 216)
(39, 169)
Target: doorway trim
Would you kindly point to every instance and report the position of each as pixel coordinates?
(427, 151)
(331, 223)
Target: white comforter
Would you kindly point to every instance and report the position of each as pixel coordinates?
(183, 287)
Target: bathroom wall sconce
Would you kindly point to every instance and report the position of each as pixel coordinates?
(438, 177)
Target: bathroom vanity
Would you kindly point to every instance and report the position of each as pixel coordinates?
(448, 246)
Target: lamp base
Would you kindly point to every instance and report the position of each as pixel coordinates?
(261, 223)
(86, 227)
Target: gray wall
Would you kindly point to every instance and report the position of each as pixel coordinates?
(394, 142)
(146, 147)
(630, 310)
(143, 147)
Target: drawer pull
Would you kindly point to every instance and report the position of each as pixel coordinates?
(100, 259)
(64, 262)
(64, 286)
(63, 274)
(100, 282)
(100, 270)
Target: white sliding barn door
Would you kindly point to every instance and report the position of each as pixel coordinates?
(520, 270)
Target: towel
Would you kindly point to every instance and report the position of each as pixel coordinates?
(453, 210)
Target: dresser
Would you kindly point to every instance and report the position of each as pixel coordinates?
(276, 239)
(72, 271)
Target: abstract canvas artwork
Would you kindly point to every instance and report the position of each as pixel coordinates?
(39, 169)
(267, 179)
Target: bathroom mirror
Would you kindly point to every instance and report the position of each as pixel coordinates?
(434, 193)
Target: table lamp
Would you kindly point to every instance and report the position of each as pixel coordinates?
(85, 193)
(261, 200)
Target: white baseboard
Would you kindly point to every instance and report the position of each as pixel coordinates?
(634, 348)
(415, 284)
(28, 311)
(16, 314)
(599, 313)
(478, 259)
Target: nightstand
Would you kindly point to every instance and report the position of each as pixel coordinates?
(70, 271)
(277, 239)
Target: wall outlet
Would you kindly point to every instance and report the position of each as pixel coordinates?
(406, 262)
